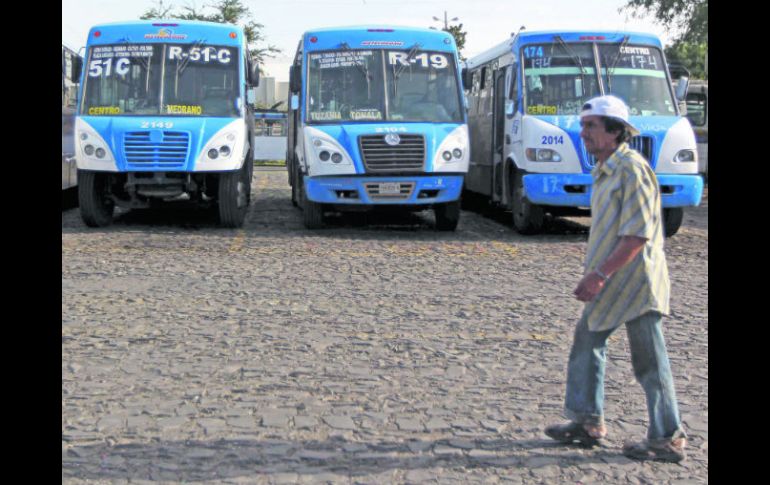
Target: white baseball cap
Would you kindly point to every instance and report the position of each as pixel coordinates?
(611, 107)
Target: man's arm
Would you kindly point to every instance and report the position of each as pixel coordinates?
(627, 249)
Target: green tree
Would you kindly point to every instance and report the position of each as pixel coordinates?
(224, 11)
(690, 55)
(689, 17)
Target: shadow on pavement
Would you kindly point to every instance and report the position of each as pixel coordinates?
(227, 459)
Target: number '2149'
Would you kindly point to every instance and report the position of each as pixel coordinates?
(553, 140)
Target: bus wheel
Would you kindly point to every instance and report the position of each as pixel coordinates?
(672, 220)
(96, 205)
(527, 217)
(312, 212)
(234, 194)
(447, 215)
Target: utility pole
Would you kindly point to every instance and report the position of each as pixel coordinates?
(446, 22)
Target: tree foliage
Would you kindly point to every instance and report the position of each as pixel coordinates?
(688, 17)
(690, 55)
(224, 11)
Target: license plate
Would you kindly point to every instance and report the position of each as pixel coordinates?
(390, 188)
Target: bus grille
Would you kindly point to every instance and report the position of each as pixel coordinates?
(169, 149)
(642, 144)
(378, 156)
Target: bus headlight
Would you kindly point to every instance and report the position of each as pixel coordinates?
(213, 153)
(447, 155)
(329, 149)
(89, 150)
(224, 151)
(100, 153)
(543, 155)
(685, 156)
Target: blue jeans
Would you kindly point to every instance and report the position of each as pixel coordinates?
(584, 401)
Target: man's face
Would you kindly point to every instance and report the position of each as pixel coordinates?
(599, 142)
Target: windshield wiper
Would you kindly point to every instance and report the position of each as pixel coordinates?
(611, 70)
(575, 57)
(362, 67)
(401, 68)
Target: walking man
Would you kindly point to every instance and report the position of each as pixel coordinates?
(625, 282)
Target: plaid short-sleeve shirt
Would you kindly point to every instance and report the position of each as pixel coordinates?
(625, 201)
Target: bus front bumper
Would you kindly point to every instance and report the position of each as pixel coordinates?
(384, 190)
(574, 190)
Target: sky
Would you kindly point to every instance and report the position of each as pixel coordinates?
(486, 22)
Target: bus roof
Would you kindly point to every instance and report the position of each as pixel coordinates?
(378, 36)
(547, 36)
(172, 30)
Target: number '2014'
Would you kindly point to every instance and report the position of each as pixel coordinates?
(553, 140)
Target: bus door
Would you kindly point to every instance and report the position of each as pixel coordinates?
(482, 135)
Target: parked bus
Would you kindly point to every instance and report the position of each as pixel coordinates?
(270, 135)
(377, 118)
(163, 117)
(71, 64)
(525, 99)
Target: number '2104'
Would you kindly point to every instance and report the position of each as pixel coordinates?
(553, 140)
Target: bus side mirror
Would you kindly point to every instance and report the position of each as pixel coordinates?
(294, 102)
(77, 69)
(295, 79)
(466, 75)
(681, 88)
(253, 73)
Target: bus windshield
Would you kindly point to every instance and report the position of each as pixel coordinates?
(559, 78)
(371, 85)
(637, 74)
(155, 79)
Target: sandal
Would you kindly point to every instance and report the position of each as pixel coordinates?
(571, 433)
(672, 451)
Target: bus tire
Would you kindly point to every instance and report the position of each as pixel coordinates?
(447, 215)
(528, 218)
(312, 212)
(672, 220)
(234, 195)
(96, 205)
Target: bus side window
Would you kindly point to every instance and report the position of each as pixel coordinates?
(476, 82)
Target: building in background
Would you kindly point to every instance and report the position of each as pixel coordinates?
(271, 94)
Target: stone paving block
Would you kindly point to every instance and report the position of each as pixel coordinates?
(339, 422)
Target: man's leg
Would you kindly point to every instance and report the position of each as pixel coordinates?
(584, 401)
(653, 371)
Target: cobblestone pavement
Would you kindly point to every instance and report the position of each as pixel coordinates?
(361, 353)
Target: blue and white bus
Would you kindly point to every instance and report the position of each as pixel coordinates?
(377, 118)
(525, 97)
(71, 66)
(163, 116)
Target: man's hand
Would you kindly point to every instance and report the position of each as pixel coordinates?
(589, 287)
